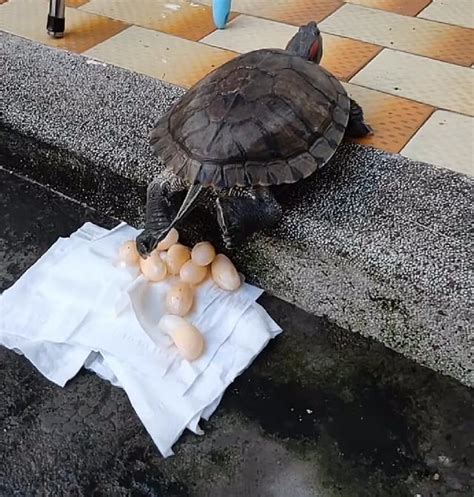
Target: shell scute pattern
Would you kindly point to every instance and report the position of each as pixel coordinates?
(265, 118)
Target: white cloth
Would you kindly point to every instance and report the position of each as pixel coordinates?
(77, 307)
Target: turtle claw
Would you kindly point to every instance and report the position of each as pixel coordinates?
(147, 242)
(229, 242)
(232, 237)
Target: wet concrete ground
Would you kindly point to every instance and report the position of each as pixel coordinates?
(321, 412)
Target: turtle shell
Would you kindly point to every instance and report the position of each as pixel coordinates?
(265, 118)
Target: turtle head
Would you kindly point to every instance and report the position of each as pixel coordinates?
(307, 43)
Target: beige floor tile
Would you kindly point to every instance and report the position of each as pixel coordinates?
(246, 33)
(27, 18)
(172, 59)
(445, 140)
(404, 7)
(435, 83)
(295, 12)
(394, 120)
(410, 34)
(177, 17)
(459, 12)
(344, 57)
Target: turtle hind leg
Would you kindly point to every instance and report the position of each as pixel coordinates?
(164, 197)
(356, 126)
(243, 211)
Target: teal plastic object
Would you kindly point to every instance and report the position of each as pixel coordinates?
(220, 12)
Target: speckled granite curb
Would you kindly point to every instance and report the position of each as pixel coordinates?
(377, 243)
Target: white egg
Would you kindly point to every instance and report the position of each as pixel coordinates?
(170, 322)
(192, 273)
(128, 254)
(188, 341)
(225, 274)
(176, 256)
(179, 299)
(153, 267)
(187, 338)
(203, 253)
(170, 239)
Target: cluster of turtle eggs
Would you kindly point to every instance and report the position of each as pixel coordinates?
(171, 258)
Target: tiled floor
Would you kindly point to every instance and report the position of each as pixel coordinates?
(446, 138)
(408, 62)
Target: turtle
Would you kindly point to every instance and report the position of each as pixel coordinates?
(267, 118)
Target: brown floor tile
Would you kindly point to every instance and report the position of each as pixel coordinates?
(454, 44)
(75, 3)
(404, 7)
(296, 12)
(27, 18)
(344, 57)
(192, 23)
(394, 120)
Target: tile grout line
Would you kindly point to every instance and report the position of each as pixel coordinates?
(345, 2)
(434, 22)
(278, 21)
(411, 100)
(421, 10)
(356, 71)
(168, 34)
(433, 110)
(236, 15)
(103, 41)
(404, 51)
(108, 16)
(444, 23)
(404, 15)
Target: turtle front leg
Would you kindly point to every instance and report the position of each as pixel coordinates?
(163, 202)
(243, 211)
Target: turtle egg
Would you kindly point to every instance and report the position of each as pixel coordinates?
(188, 341)
(128, 254)
(170, 322)
(203, 253)
(170, 239)
(224, 273)
(176, 256)
(179, 299)
(153, 267)
(186, 337)
(191, 273)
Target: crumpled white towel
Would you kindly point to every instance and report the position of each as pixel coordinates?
(76, 307)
